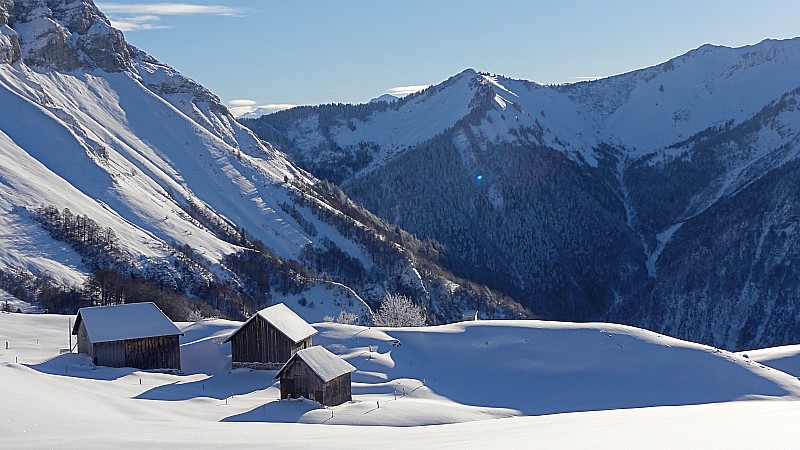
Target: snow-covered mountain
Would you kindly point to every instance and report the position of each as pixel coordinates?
(112, 161)
(660, 198)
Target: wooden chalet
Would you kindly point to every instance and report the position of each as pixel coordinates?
(317, 374)
(269, 338)
(469, 316)
(135, 335)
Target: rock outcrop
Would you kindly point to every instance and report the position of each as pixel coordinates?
(65, 35)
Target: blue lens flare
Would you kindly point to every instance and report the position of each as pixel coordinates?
(479, 178)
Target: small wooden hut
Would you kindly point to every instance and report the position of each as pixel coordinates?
(468, 316)
(269, 338)
(317, 374)
(135, 335)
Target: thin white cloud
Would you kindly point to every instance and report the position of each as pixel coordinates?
(147, 22)
(242, 102)
(167, 9)
(145, 16)
(402, 91)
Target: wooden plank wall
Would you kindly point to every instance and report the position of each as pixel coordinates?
(338, 391)
(162, 352)
(260, 342)
(111, 354)
(246, 344)
(278, 347)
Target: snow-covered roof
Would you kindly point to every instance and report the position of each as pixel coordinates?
(123, 322)
(322, 362)
(285, 320)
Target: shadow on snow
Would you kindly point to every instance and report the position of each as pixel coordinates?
(219, 386)
(79, 365)
(545, 371)
(283, 411)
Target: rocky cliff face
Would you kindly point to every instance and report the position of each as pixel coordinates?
(9, 41)
(67, 35)
(657, 198)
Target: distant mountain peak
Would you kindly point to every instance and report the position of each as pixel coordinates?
(385, 98)
(468, 72)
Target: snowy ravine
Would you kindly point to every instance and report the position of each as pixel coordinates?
(490, 383)
(93, 125)
(660, 198)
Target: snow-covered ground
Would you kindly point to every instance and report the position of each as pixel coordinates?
(489, 383)
(785, 358)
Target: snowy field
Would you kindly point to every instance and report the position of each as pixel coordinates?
(517, 384)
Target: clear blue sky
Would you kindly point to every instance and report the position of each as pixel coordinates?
(323, 51)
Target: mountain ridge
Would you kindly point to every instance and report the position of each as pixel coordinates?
(575, 198)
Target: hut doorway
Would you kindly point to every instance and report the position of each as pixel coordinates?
(287, 387)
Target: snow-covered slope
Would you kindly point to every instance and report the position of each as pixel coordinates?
(587, 201)
(96, 126)
(126, 150)
(485, 383)
(785, 358)
(130, 149)
(706, 87)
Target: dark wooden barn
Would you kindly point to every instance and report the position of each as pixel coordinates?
(269, 338)
(317, 374)
(135, 335)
